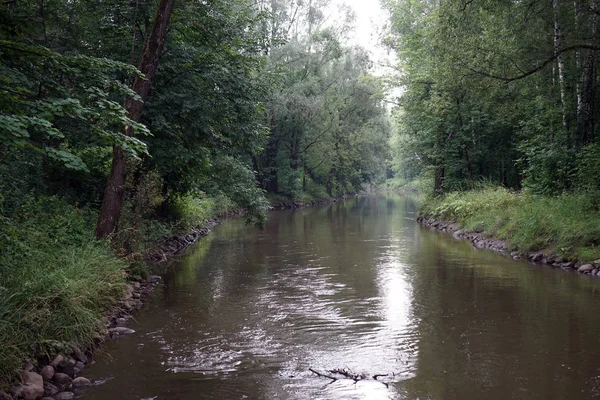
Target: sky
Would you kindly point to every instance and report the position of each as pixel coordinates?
(370, 18)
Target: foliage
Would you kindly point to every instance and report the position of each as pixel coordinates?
(496, 90)
(328, 123)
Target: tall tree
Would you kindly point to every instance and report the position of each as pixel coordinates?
(153, 50)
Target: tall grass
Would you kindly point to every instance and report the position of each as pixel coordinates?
(56, 281)
(568, 225)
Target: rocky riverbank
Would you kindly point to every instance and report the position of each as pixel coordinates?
(480, 241)
(61, 377)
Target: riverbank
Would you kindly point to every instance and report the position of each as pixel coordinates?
(562, 231)
(68, 292)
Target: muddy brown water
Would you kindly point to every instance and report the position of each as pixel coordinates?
(357, 285)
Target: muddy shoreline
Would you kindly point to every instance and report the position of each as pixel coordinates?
(480, 241)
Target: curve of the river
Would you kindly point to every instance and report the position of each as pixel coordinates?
(356, 285)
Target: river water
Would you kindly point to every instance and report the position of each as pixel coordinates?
(359, 286)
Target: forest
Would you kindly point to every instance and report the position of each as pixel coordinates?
(133, 121)
(126, 122)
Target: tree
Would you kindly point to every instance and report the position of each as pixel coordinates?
(113, 195)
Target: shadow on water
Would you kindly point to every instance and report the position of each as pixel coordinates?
(356, 285)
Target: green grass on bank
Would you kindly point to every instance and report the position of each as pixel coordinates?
(568, 225)
(57, 280)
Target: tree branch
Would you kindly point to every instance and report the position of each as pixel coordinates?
(539, 67)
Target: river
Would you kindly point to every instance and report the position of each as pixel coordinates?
(357, 285)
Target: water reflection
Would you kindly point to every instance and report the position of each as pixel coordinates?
(356, 285)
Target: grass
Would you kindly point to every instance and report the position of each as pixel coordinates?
(56, 282)
(567, 225)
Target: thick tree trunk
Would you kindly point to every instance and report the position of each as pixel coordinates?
(115, 188)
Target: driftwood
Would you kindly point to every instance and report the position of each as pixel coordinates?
(338, 374)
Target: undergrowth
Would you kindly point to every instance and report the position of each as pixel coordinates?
(568, 225)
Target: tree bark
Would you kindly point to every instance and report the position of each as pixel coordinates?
(112, 202)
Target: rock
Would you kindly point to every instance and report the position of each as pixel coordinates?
(121, 330)
(47, 372)
(16, 391)
(136, 285)
(585, 268)
(67, 366)
(57, 360)
(120, 321)
(156, 278)
(81, 382)
(551, 259)
(33, 385)
(136, 295)
(64, 396)
(32, 378)
(536, 257)
(594, 271)
(5, 396)
(597, 262)
(46, 398)
(32, 392)
(79, 365)
(62, 378)
(567, 265)
(80, 356)
(50, 389)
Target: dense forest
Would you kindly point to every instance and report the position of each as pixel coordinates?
(125, 122)
(501, 91)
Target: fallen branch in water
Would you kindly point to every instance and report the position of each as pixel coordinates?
(348, 374)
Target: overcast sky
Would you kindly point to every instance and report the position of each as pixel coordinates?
(370, 18)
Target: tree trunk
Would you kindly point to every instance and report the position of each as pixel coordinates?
(561, 63)
(438, 184)
(115, 188)
(589, 72)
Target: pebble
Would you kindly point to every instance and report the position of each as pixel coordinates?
(120, 321)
